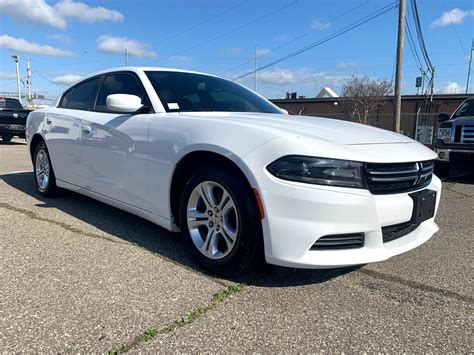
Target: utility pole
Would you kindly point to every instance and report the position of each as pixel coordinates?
(255, 72)
(28, 82)
(126, 57)
(469, 68)
(16, 58)
(398, 75)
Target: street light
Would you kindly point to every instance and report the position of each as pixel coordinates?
(16, 59)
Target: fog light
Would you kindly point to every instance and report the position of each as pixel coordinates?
(442, 155)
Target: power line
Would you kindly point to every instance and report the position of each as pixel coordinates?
(209, 19)
(226, 33)
(455, 30)
(419, 32)
(336, 34)
(52, 82)
(411, 43)
(272, 50)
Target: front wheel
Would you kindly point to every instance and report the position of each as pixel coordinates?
(218, 214)
(45, 180)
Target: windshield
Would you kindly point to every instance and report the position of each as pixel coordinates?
(189, 92)
(10, 104)
(466, 109)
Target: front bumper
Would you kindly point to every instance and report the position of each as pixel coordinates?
(299, 214)
(460, 158)
(12, 130)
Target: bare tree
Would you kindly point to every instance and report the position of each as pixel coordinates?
(363, 96)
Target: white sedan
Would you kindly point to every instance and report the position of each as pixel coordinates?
(242, 179)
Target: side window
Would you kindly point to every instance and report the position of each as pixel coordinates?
(83, 95)
(65, 99)
(118, 84)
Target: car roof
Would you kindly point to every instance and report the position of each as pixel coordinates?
(141, 69)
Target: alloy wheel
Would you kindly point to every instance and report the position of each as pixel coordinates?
(212, 220)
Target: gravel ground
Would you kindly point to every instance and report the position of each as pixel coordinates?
(77, 275)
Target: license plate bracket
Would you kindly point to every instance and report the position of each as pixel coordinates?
(424, 203)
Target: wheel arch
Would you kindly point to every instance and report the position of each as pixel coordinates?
(192, 161)
(35, 140)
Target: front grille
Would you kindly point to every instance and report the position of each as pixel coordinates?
(393, 178)
(467, 134)
(396, 231)
(340, 241)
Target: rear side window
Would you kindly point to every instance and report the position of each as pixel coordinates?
(66, 98)
(118, 84)
(82, 96)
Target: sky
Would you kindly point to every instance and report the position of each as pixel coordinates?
(68, 39)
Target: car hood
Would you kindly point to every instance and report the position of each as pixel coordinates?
(323, 129)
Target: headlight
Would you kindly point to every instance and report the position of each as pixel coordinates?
(444, 134)
(320, 171)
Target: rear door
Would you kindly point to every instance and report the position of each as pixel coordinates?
(113, 152)
(64, 131)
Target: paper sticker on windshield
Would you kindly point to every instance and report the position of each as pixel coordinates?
(173, 106)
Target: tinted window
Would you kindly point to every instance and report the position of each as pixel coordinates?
(118, 84)
(196, 92)
(11, 104)
(66, 98)
(83, 95)
(466, 109)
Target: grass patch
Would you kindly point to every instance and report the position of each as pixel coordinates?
(148, 335)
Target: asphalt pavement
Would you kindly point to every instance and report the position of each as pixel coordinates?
(78, 275)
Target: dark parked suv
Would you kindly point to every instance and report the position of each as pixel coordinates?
(455, 140)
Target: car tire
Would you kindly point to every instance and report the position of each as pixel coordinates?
(442, 171)
(6, 138)
(43, 173)
(226, 241)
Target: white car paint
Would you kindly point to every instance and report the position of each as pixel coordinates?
(128, 161)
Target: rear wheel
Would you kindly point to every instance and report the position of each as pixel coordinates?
(45, 180)
(220, 219)
(7, 138)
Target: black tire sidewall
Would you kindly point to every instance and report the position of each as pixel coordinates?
(51, 188)
(248, 250)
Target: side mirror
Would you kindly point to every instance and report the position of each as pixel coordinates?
(442, 117)
(123, 103)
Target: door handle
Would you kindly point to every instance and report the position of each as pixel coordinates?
(49, 120)
(86, 129)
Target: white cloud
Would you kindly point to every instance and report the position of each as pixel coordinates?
(36, 12)
(181, 58)
(84, 13)
(319, 25)
(451, 87)
(347, 65)
(261, 52)
(284, 77)
(7, 75)
(22, 45)
(277, 77)
(39, 12)
(67, 79)
(454, 16)
(59, 37)
(111, 44)
(231, 51)
(281, 38)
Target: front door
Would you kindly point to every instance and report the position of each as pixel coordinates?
(113, 152)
